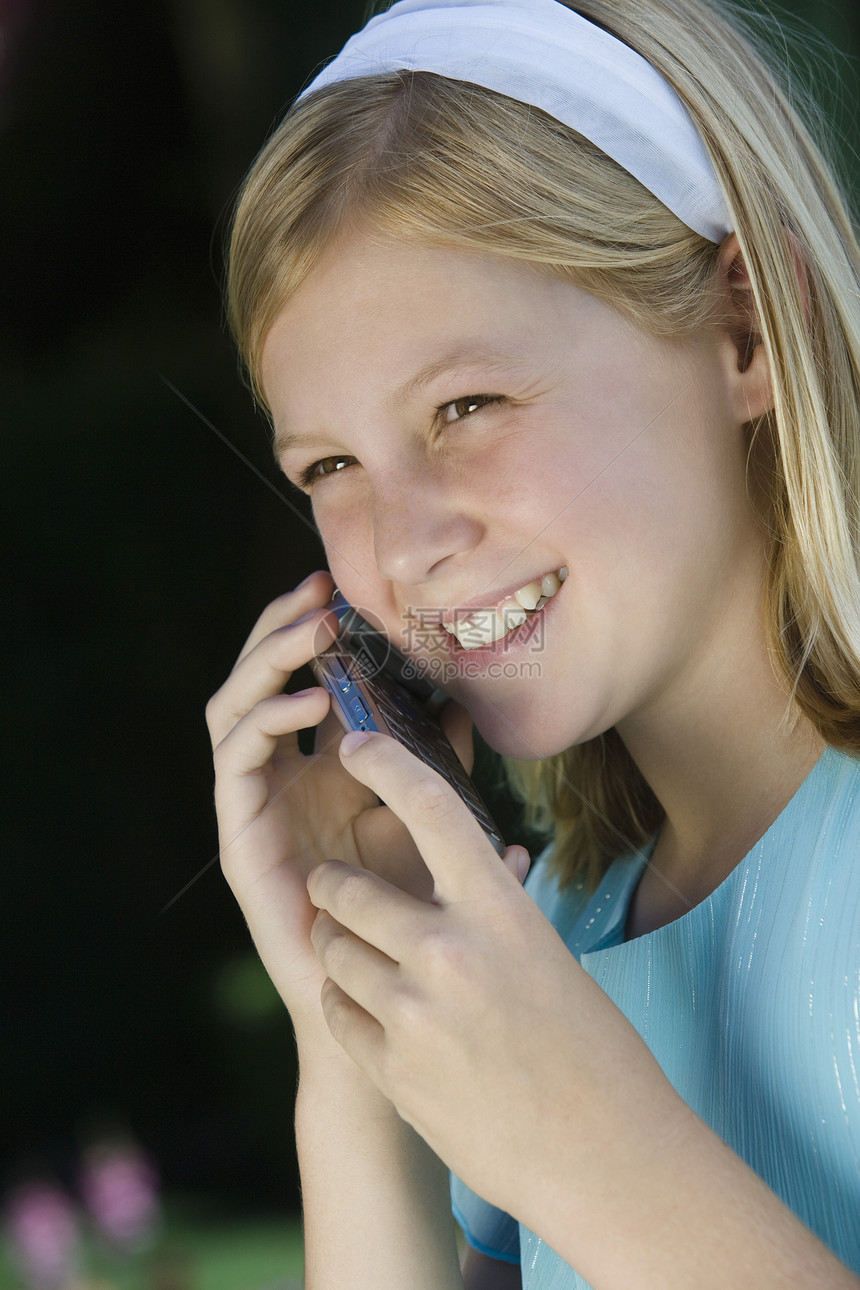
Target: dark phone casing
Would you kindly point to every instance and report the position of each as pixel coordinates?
(373, 687)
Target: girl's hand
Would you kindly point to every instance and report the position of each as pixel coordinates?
(281, 812)
(468, 1012)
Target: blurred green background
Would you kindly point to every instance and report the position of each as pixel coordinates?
(140, 540)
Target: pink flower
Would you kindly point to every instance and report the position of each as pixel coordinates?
(120, 1187)
(43, 1231)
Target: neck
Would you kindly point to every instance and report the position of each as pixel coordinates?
(723, 761)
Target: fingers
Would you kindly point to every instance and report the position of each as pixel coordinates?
(446, 833)
(358, 1033)
(263, 673)
(517, 861)
(362, 969)
(366, 989)
(358, 969)
(252, 742)
(364, 906)
(314, 593)
(358, 907)
(265, 667)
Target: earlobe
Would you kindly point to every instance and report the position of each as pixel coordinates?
(757, 388)
(750, 373)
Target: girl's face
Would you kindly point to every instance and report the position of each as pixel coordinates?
(467, 426)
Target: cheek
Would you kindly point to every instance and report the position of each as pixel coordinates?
(658, 529)
(348, 541)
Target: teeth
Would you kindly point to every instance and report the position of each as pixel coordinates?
(481, 628)
(485, 626)
(493, 628)
(529, 595)
(512, 614)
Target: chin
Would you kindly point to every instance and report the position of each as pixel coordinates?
(530, 728)
(524, 743)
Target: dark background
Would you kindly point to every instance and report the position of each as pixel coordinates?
(138, 550)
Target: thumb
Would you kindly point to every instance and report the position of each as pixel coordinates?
(518, 861)
(447, 834)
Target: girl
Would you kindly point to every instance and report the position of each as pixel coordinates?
(556, 316)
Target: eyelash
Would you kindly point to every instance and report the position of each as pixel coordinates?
(477, 401)
(312, 474)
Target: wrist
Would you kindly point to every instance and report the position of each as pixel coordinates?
(328, 1075)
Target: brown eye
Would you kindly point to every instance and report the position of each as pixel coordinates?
(461, 408)
(321, 469)
(329, 465)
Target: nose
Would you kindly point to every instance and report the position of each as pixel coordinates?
(419, 524)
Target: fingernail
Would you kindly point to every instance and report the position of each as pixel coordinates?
(523, 865)
(353, 740)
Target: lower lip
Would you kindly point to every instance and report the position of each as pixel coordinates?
(519, 639)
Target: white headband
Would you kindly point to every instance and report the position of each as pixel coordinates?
(544, 54)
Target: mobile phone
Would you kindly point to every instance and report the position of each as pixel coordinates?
(373, 687)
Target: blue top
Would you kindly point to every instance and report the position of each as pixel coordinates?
(750, 1003)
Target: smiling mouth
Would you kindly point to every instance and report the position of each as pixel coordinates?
(480, 627)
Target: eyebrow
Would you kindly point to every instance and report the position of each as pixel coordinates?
(465, 356)
(283, 440)
(496, 360)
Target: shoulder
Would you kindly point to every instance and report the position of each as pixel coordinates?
(831, 794)
(819, 835)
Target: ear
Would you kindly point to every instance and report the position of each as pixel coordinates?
(748, 366)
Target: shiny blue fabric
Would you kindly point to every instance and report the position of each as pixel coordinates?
(751, 1005)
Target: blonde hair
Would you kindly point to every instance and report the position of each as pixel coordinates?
(421, 157)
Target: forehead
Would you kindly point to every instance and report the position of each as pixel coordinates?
(398, 307)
